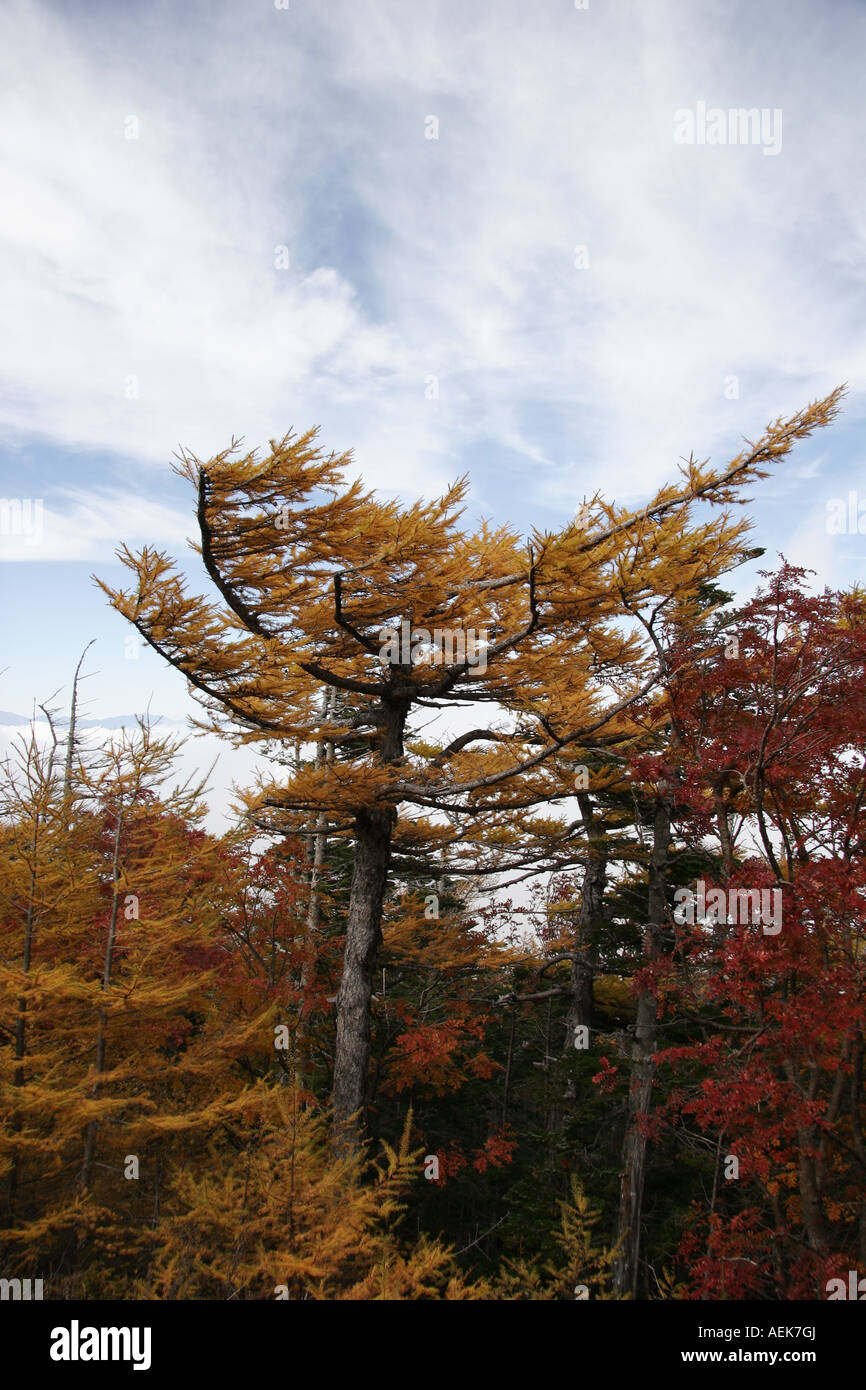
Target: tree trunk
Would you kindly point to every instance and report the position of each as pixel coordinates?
(810, 1195)
(363, 937)
(643, 1067)
(72, 740)
(99, 1064)
(324, 756)
(41, 812)
(591, 900)
(374, 829)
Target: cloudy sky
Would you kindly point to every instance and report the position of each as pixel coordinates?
(457, 237)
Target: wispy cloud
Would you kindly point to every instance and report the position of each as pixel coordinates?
(88, 525)
(149, 309)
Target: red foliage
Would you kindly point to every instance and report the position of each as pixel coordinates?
(606, 1078)
(774, 733)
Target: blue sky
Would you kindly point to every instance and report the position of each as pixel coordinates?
(155, 157)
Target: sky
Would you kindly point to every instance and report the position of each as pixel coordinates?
(502, 239)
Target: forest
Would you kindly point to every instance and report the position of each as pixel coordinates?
(534, 969)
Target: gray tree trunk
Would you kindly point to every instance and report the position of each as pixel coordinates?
(363, 938)
(643, 1068)
(591, 901)
(374, 828)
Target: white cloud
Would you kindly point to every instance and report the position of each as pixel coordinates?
(153, 258)
(231, 767)
(91, 526)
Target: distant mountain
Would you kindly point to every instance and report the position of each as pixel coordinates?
(116, 721)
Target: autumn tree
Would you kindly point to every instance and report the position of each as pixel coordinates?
(319, 584)
(768, 959)
(273, 1215)
(111, 898)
